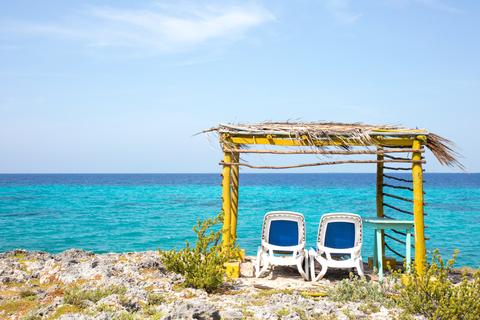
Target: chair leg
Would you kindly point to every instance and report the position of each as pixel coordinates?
(323, 271)
(257, 263)
(312, 254)
(306, 264)
(263, 269)
(300, 261)
(312, 268)
(259, 270)
(359, 267)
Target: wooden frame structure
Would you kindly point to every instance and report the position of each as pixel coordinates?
(390, 145)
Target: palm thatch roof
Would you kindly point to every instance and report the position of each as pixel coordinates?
(348, 133)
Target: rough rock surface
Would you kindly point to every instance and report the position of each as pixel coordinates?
(80, 285)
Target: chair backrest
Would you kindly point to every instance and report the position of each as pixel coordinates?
(283, 228)
(340, 230)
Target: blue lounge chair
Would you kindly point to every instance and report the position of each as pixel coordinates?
(283, 243)
(339, 244)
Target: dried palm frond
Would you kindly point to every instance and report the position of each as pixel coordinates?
(347, 133)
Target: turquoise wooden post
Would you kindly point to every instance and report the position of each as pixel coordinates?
(408, 245)
(379, 251)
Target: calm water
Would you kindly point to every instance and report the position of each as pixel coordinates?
(117, 212)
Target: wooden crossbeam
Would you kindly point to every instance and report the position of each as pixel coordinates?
(313, 151)
(312, 164)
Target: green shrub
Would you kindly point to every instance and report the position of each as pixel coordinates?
(435, 296)
(155, 299)
(359, 289)
(369, 307)
(349, 314)
(125, 316)
(76, 296)
(283, 312)
(105, 308)
(64, 309)
(27, 294)
(202, 265)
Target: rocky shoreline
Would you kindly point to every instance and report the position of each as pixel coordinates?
(77, 284)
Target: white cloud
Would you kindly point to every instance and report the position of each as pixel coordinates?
(342, 11)
(159, 28)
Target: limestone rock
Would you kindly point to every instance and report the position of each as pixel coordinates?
(247, 269)
(197, 309)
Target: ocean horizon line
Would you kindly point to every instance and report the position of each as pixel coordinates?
(205, 173)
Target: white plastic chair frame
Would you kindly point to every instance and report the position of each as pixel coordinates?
(291, 255)
(323, 254)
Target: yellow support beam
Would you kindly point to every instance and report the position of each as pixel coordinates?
(232, 269)
(417, 175)
(226, 200)
(380, 212)
(305, 142)
(234, 206)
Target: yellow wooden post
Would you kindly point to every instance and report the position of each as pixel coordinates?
(380, 157)
(234, 206)
(419, 228)
(226, 199)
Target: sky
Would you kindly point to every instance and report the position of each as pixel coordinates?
(124, 86)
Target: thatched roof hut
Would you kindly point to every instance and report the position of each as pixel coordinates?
(388, 143)
(342, 135)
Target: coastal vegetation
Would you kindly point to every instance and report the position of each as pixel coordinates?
(432, 294)
(203, 264)
(435, 295)
(360, 290)
(79, 297)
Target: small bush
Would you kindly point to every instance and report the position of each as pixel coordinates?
(125, 316)
(349, 314)
(105, 308)
(358, 289)
(76, 296)
(301, 313)
(369, 307)
(127, 303)
(202, 265)
(155, 299)
(283, 312)
(435, 296)
(153, 314)
(65, 309)
(27, 294)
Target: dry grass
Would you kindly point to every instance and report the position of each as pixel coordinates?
(18, 307)
(65, 309)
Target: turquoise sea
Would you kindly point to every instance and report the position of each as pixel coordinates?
(128, 212)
